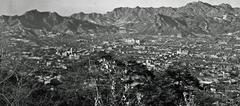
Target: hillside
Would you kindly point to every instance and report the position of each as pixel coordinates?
(195, 17)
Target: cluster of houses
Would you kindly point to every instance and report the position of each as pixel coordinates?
(217, 57)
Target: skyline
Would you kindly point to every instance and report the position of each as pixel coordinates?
(68, 7)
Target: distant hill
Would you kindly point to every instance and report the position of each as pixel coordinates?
(195, 17)
(48, 21)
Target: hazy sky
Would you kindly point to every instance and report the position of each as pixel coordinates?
(68, 7)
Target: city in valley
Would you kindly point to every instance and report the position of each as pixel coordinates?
(186, 56)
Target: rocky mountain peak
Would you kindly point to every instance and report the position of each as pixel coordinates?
(197, 17)
(32, 12)
(225, 6)
(54, 14)
(196, 8)
(199, 3)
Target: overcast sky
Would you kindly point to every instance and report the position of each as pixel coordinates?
(68, 7)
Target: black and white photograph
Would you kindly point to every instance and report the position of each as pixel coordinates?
(119, 52)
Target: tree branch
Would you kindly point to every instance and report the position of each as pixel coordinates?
(5, 98)
(7, 78)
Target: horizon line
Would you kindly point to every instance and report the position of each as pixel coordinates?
(105, 12)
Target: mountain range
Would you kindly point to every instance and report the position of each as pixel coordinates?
(193, 18)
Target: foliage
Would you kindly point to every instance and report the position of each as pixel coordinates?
(104, 79)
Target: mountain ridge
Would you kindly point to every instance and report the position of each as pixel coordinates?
(194, 17)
